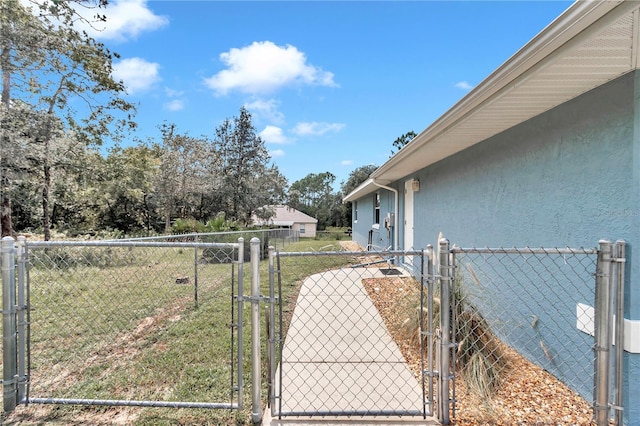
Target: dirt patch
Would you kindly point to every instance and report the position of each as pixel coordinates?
(115, 354)
(350, 246)
(525, 395)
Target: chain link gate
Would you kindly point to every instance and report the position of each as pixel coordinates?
(77, 314)
(333, 355)
(535, 302)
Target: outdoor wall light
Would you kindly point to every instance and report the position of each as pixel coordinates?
(415, 185)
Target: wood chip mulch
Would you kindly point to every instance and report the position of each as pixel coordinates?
(526, 395)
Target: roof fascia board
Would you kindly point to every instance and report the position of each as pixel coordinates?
(363, 189)
(636, 39)
(578, 17)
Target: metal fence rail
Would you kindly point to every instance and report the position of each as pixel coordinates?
(94, 307)
(277, 237)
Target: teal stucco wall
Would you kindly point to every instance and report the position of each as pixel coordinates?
(381, 238)
(568, 177)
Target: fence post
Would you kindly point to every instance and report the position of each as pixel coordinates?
(195, 272)
(239, 320)
(602, 334)
(256, 374)
(445, 323)
(9, 358)
(620, 258)
(429, 257)
(21, 321)
(271, 343)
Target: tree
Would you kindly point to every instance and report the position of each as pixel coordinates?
(18, 34)
(127, 189)
(356, 177)
(54, 63)
(181, 173)
(400, 142)
(79, 192)
(243, 167)
(269, 189)
(313, 195)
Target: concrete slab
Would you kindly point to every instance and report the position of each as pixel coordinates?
(350, 387)
(339, 359)
(347, 421)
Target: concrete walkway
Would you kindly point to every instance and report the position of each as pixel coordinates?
(339, 358)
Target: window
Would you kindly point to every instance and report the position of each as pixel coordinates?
(355, 211)
(376, 209)
(302, 228)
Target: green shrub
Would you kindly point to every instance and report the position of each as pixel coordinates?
(186, 226)
(74, 257)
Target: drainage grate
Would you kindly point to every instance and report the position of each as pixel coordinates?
(390, 271)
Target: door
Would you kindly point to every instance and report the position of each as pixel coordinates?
(408, 215)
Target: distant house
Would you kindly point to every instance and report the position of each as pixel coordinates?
(288, 217)
(545, 151)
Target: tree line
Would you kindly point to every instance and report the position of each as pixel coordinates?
(223, 181)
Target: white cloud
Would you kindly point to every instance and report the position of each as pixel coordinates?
(126, 19)
(346, 162)
(273, 134)
(137, 74)
(174, 105)
(267, 109)
(264, 67)
(276, 153)
(464, 85)
(316, 129)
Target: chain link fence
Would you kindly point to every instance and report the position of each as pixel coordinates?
(276, 237)
(113, 323)
(350, 333)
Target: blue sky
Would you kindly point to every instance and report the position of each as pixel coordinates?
(330, 84)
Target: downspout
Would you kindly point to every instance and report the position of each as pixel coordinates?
(395, 213)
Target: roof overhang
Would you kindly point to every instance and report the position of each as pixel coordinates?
(591, 43)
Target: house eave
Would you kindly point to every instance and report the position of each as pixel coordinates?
(564, 54)
(366, 187)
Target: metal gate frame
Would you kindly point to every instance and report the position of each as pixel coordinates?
(275, 339)
(608, 316)
(16, 325)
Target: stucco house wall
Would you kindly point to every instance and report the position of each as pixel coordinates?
(306, 230)
(568, 177)
(564, 178)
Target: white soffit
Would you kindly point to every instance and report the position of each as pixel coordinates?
(600, 54)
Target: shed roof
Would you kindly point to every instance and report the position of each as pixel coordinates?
(589, 44)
